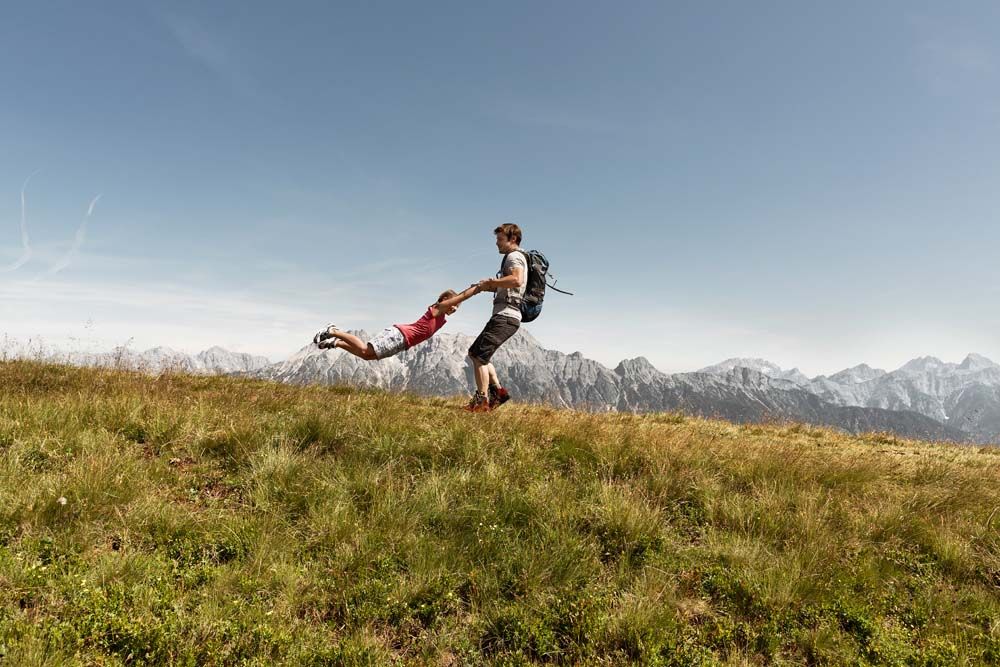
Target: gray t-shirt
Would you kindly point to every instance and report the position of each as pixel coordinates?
(501, 305)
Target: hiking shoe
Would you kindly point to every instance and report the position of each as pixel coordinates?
(324, 334)
(498, 396)
(478, 403)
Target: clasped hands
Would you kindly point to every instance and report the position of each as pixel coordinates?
(484, 285)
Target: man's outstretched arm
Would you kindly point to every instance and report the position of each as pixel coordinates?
(515, 279)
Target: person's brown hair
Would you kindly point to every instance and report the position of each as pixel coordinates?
(447, 294)
(512, 231)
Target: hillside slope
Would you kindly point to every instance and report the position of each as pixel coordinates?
(207, 520)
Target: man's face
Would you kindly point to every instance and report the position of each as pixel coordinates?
(504, 244)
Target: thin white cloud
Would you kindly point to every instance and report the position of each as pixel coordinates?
(78, 239)
(26, 251)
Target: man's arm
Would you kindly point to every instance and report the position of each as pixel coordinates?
(515, 279)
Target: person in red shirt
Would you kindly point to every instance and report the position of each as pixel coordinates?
(393, 340)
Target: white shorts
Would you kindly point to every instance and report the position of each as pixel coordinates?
(388, 343)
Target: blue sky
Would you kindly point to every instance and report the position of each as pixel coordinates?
(815, 185)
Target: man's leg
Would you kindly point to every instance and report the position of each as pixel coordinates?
(494, 380)
(482, 372)
(480, 353)
(497, 394)
(479, 402)
(494, 334)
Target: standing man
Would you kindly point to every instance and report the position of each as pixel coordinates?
(506, 319)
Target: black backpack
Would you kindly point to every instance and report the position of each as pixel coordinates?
(534, 289)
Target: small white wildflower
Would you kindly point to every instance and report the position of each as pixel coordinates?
(61, 500)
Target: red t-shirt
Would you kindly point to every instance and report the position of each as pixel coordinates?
(422, 329)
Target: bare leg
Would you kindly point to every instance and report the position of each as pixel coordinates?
(482, 373)
(351, 343)
(494, 380)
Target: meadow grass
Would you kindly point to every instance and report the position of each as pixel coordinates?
(215, 521)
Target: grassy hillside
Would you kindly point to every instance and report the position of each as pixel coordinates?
(183, 520)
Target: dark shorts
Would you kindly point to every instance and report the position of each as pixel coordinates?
(495, 333)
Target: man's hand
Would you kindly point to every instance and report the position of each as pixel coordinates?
(486, 286)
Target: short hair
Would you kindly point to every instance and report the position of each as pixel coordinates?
(447, 294)
(512, 231)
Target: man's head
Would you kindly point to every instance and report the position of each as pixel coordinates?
(447, 294)
(508, 237)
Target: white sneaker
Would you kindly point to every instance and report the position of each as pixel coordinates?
(324, 335)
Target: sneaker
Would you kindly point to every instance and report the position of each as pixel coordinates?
(498, 396)
(324, 334)
(478, 403)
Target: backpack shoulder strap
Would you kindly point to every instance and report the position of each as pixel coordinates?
(503, 260)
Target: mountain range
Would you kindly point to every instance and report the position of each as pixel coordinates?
(965, 396)
(925, 398)
(213, 361)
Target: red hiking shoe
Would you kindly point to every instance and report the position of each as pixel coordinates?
(498, 396)
(478, 403)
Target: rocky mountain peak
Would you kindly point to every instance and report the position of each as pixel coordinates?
(218, 359)
(924, 364)
(162, 351)
(857, 374)
(638, 368)
(794, 375)
(755, 364)
(976, 362)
